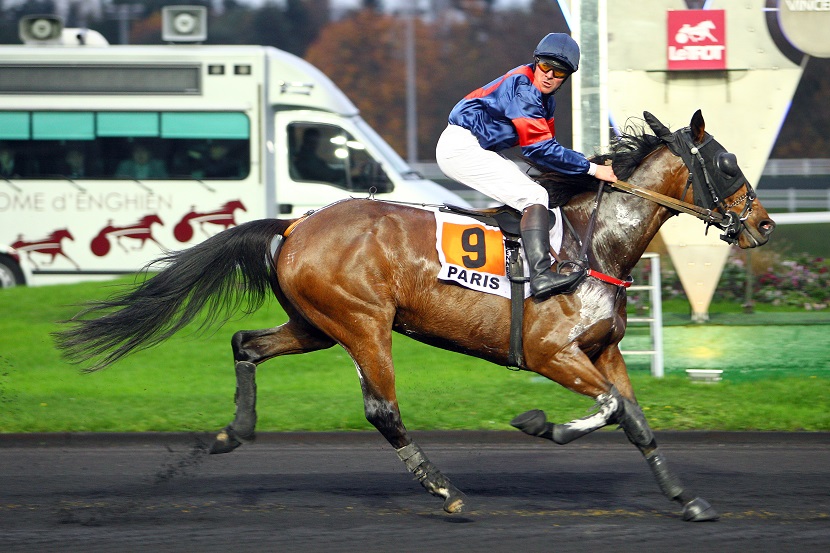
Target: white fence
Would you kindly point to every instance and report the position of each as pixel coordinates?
(795, 199)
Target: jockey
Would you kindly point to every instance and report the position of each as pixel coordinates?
(517, 109)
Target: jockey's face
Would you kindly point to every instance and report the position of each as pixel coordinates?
(546, 81)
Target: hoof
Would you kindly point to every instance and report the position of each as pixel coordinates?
(699, 510)
(532, 422)
(454, 503)
(225, 442)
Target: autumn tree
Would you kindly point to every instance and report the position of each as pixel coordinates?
(454, 57)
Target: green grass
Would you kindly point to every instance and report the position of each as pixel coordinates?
(776, 378)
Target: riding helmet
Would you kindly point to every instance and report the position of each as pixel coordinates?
(561, 48)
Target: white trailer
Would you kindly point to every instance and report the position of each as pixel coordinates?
(232, 133)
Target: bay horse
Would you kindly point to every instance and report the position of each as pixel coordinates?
(354, 271)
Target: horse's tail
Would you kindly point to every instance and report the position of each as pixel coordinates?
(222, 273)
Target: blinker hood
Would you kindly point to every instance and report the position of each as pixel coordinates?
(714, 171)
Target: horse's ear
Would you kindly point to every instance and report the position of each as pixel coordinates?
(659, 128)
(698, 127)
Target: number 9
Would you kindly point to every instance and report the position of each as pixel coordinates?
(472, 241)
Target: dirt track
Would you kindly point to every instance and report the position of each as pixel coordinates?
(349, 492)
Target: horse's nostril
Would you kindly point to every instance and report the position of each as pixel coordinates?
(766, 227)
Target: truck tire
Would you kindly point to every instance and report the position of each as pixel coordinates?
(10, 273)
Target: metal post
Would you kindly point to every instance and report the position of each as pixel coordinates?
(589, 27)
(749, 306)
(411, 106)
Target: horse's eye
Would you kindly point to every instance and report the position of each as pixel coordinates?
(728, 163)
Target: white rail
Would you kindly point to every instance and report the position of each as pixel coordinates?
(655, 319)
(795, 199)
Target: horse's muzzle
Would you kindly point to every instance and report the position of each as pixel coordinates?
(752, 237)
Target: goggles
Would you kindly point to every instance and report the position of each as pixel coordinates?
(559, 71)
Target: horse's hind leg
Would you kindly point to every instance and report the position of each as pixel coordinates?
(241, 430)
(251, 347)
(373, 359)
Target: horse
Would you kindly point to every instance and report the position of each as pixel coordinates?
(183, 231)
(51, 246)
(140, 231)
(355, 271)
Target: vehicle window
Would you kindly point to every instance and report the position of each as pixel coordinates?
(329, 154)
(124, 145)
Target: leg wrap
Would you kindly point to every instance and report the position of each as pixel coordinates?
(695, 509)
(244, 421)
(633, 422)
(431, 478)
(609, 404)
(412, 456)
(668, 482)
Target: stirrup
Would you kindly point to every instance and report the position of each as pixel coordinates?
(557, 283)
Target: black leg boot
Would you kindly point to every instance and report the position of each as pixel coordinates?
(536, 238)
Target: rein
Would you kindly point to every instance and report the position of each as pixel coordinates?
(707, 215)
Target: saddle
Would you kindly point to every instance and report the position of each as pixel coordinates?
(504, 217)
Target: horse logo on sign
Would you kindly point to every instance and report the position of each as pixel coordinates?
(50, 246)
(696, 40)
(701, 31)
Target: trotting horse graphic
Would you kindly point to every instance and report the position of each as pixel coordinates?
(223, 217)
(355, 271)
(696, 33)
(140, 231)
(51, 246)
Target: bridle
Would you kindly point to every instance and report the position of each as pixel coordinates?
(713, 176)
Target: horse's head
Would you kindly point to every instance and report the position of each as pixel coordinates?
(233, 205)
(60, 234)
(717, 182)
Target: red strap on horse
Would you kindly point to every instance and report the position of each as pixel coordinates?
(611, 280)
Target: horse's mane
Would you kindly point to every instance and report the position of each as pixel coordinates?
(626, 152)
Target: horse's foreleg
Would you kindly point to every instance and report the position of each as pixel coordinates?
(571, 368)
(535, 422)
(633, 422)
(250, 348)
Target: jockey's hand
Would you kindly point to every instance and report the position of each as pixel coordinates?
(606, 173)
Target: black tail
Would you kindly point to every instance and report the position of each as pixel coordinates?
(222, 273)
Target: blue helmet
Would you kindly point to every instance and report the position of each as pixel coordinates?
(559, 47)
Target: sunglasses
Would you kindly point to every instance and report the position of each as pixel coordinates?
(558, 71)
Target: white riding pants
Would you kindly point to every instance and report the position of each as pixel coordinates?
(461, 158)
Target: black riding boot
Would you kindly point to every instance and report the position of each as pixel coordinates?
(536, 238)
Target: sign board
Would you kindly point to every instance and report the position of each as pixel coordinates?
(744, 121)
(696, 40)
(805, 24)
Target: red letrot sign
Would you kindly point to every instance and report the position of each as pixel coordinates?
(696, 40)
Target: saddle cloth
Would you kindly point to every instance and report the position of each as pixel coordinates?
(472, 254)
